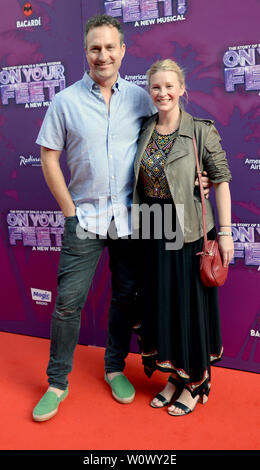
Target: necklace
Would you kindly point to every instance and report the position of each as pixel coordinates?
(165, 131)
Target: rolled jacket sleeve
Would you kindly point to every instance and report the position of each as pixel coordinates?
(214, 158)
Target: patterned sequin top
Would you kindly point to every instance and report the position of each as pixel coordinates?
(152, 175)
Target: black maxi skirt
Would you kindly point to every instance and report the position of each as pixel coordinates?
(179, 330)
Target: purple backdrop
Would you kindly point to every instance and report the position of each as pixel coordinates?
(41, 50)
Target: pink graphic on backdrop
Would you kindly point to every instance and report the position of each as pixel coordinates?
(14, 45)
(12, 193)
(240, 155)
(250, 206)
(255, 131)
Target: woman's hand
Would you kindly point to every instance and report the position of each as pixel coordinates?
(226, 248)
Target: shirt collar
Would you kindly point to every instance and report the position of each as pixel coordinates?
(92, 85)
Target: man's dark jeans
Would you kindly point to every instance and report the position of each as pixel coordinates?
(78, 261)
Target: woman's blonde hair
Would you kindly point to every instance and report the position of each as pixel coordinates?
(167, 65)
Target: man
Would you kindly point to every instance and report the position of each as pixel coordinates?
(97, 121)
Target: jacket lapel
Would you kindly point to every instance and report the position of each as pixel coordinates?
(186, 129)
(178, 150)
(144, 139)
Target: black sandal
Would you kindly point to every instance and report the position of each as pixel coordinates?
(182, 407)
(162, 399)
(201, 399)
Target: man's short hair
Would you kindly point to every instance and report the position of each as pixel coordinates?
(103, 20)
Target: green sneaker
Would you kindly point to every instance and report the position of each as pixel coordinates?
(48, 405)
(122, 390)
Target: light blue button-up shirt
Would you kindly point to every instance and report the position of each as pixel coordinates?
(100, 145)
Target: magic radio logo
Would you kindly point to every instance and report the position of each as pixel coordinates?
(147, 12)
(40, 296)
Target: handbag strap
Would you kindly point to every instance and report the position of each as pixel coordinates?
(201, 191)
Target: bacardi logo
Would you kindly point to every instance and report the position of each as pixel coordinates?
(27, 9)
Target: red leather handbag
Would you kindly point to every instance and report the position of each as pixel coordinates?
(212, 271)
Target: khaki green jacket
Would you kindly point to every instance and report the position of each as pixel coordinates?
(180, 169)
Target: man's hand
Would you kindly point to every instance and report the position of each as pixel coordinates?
(206, 183)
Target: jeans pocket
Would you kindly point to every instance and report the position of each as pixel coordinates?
(75, 238)
(70, 217)
(70, 225)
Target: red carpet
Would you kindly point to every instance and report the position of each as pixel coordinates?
(90, 419)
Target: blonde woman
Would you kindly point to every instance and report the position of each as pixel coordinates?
(180, 329)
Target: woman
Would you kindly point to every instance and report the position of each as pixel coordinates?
(180, 326)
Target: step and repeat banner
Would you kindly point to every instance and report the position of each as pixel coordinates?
(41, 53)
